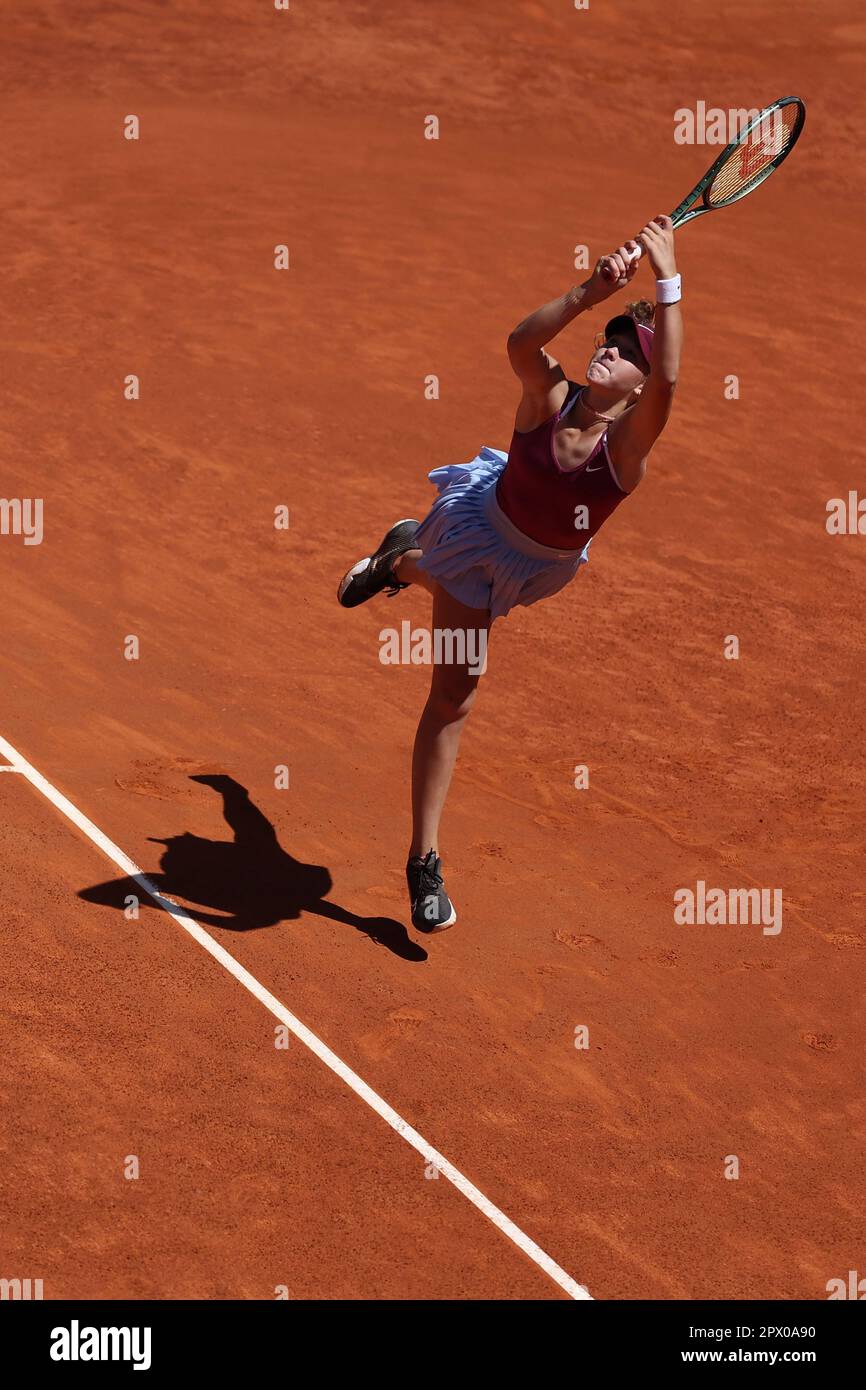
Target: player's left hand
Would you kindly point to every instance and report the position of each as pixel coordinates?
(657, 240)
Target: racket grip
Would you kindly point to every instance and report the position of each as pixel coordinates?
(636, 255)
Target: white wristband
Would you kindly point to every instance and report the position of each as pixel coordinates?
(669, 291)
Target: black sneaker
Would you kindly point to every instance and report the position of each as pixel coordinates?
(432, 909)
(376, 572)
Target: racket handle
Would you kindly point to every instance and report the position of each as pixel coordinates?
(636, 255)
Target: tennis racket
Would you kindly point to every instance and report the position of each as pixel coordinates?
(745, 163)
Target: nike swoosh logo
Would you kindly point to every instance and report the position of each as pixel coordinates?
(597, 467)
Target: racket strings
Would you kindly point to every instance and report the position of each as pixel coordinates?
(749, 161)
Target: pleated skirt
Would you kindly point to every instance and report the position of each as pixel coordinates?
(476, 553)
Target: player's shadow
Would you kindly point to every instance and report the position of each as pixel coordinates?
(251, 880)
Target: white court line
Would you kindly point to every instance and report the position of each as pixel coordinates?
(279, 1011)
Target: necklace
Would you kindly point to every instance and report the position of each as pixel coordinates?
(608, 419)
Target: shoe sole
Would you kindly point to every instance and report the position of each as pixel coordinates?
(362, 564)
(349, 576)
(440, 926)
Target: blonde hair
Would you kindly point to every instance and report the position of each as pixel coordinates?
(642, 312)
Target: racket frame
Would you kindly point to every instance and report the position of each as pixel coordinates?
(686, 210)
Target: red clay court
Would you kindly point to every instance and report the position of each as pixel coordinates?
(265, 1167)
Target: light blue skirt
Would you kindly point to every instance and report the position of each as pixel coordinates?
(476, 553)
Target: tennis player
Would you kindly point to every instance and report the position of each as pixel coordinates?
(510, 529)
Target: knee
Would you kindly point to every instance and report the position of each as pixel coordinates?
(452, 700)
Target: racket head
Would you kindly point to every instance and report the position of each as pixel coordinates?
(759, 148)
(758, 151)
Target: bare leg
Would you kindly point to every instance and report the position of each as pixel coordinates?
(407, 570)
(452, 694)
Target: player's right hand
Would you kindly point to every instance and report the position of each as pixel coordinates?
(613, 272)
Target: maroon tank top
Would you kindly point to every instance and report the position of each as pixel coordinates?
(562, 508)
